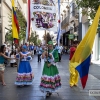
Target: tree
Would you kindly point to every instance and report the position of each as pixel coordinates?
(22, 26)
(38, 42)
(47, 37)
(91, 5)
(34, 38)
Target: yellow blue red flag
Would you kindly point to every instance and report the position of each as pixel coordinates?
(15, 25)
(82, 56)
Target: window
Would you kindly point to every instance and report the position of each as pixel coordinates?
(72, 9)
(0, 12)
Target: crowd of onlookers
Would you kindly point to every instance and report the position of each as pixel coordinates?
(11, 51)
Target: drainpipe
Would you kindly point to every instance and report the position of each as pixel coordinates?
(1, 36)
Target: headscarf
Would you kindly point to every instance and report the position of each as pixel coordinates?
(50, 43)
(24, 47)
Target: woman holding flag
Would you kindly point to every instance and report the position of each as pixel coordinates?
(50, 80)
(73, 76)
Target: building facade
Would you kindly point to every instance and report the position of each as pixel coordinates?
(0, 23)
(70, 22)
(76, 25)
(6, 10)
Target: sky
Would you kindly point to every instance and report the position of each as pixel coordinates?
(40, 33)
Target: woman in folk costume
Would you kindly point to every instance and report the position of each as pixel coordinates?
(24, 75)
(50, 80)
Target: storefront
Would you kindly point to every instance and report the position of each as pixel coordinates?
(66, 38)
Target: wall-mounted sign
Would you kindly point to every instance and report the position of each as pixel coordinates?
(71, 36)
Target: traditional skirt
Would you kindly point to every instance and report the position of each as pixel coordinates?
(50, 80)
(24, 75)
(2, 67)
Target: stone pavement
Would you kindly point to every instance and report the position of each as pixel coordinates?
(12, 92)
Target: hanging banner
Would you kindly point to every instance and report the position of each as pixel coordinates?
(43, 15)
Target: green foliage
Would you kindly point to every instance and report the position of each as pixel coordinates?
(38, 42)
(90, 6)
(22, 26)
(47, 37)
(34, 38)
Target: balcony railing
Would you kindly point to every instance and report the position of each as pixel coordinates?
(65, 22)
(24, 1)
(75, 12)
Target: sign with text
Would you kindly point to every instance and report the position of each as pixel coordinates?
(94, 92)
(43, 15)
(71, 36)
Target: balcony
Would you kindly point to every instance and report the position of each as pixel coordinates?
(24, 1)
(65, 22)
(76, 12)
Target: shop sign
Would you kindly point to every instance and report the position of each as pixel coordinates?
(71, 36)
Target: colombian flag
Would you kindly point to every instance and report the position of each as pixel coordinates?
(15, 26)
(82, 56)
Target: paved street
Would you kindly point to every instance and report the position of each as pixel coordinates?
(12, 92)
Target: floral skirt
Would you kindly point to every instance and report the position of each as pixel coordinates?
(50, 80)
(24, 75)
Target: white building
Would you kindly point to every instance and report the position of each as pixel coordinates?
(73, 19)
(6, 9)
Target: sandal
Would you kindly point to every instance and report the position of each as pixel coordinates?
(47, 95)
(50, 93)
(75, 85)
(71, 86)
(3, 84)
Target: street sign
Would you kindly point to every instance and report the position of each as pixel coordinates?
(71, 36)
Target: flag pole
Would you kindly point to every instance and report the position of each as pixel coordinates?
(12, 45)
(59, 26)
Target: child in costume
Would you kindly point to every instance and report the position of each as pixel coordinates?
(24, 75)
(50, 80)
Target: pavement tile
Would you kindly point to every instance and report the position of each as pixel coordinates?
(12, 92)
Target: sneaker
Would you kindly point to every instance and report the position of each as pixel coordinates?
(47, 95)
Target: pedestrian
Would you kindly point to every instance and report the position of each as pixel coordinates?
(13, 60)
(39, 53)
(2, 60)
(25, 74)
(31, 48)
(73, 81)
(18, 56)
(50, 79)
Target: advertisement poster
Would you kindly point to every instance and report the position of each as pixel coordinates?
(43, 15)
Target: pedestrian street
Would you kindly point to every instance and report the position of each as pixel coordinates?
(32, 92)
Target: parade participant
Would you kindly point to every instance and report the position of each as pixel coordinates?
(39, 52)
(73, 76)
(50, 80)
(13, 60)
(24, 75)
(2, 66)
(32, 49)
(18, 56)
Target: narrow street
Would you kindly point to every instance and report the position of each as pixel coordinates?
(12, 92)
